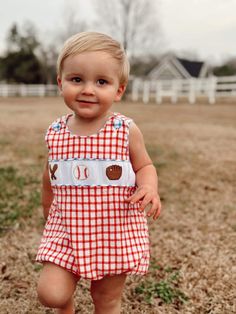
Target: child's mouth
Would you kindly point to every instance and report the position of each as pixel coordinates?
(87, 102)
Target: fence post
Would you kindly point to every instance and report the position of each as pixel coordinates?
(4, 90)
(158, 92)
(174, 95)
(192, 94)
(23, 90)
(135, 89)
(212, 83)
(42, 90)
(146, 91)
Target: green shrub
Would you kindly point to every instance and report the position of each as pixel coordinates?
(166, 289)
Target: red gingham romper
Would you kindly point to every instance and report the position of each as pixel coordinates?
(91, 231)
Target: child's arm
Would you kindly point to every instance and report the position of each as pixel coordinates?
(146, 176)
(47, 194)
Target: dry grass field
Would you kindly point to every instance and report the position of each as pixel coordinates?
(193, 244)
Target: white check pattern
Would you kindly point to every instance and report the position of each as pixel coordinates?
(91, 231)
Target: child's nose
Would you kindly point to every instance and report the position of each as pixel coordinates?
(88, 89)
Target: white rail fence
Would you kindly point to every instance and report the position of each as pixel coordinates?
(41, 90)
(212, 88)
(146, 91)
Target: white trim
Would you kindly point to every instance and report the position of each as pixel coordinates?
(180, 67)
(90, 173)
(156, 73)
(173, 65)
(203, 71)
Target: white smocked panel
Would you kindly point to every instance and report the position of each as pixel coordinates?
(91, 173)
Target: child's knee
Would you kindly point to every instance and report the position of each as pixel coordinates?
(52, 296)
(107, 292)
(107, 298)
(56, 286)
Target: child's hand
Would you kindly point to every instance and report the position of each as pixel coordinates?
(148, 196)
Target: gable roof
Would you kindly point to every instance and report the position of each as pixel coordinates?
(179, 68)
(192, 67)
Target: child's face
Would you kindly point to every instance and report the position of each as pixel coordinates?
(90, 83)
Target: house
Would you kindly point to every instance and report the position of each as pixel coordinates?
(172, 67)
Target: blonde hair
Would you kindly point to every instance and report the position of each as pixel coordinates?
(93, 41)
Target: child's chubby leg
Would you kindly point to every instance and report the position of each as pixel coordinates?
(107, 293)
(56, 287)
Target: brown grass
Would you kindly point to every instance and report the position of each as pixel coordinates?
(193, 147)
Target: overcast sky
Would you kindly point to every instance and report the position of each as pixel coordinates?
(206, 28)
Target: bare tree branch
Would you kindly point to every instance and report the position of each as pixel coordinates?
(72, 22)
(133, 22)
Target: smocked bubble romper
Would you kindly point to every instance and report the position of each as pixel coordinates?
(91, 231)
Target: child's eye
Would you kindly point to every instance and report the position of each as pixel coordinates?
(76, 79)
(102, 82)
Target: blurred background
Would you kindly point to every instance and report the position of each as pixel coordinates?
(183, 55)
(32, 32)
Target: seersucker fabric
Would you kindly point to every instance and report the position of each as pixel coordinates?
(91, 230)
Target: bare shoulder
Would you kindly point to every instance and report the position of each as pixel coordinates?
(135, 133)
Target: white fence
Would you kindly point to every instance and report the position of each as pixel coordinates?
(146, 91)
(7, 90)
(212, 88)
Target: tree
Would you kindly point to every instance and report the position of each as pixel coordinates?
(20, 63)
(48, 57)
(226, 69)
(134, 23)
(26, 40)
(21, 67)
(72, 22)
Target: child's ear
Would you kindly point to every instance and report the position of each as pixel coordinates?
(120, 92)
(59, 83)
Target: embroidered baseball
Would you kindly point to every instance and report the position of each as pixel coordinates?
(81, 172)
